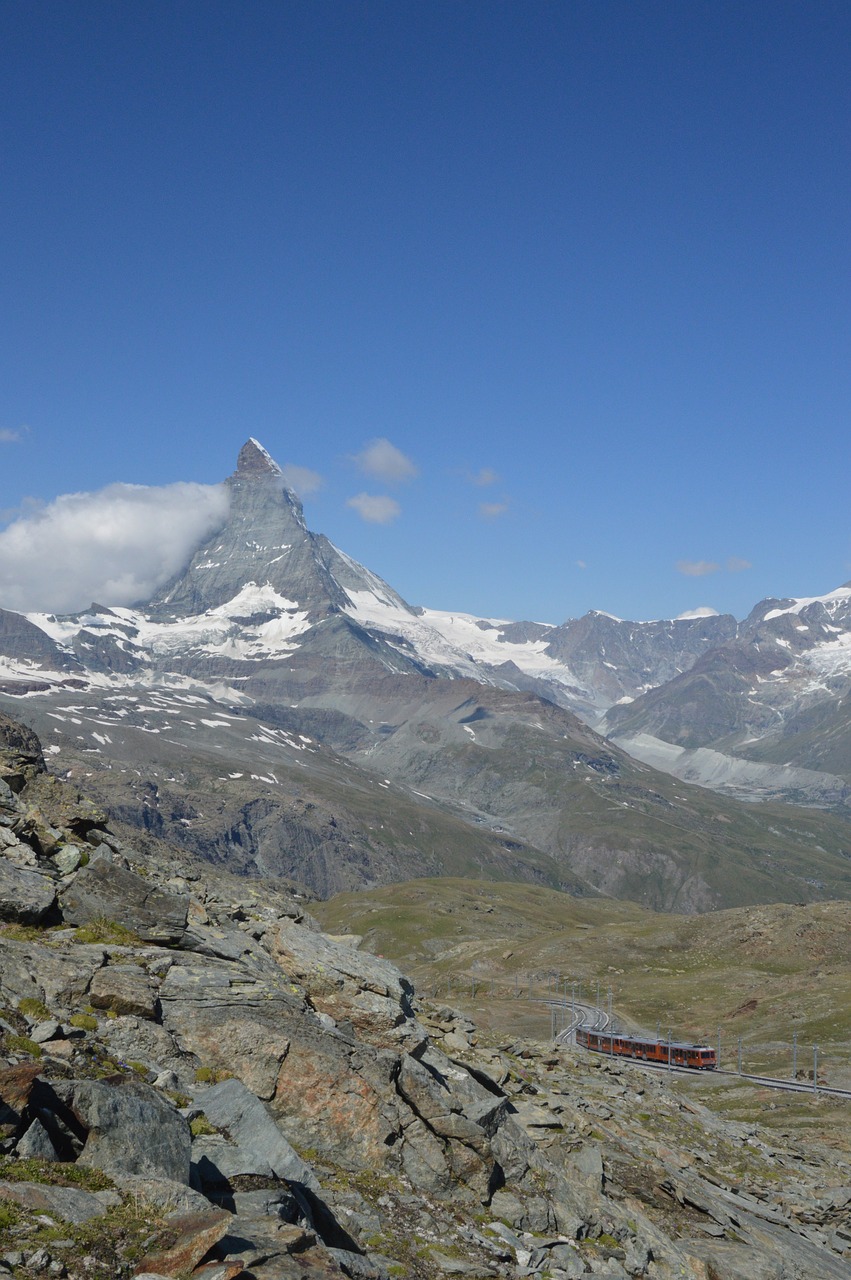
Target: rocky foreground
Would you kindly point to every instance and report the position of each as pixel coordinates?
(196, 1082)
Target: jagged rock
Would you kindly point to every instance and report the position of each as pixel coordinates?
(44, 1031)
(274, 1250)
(356, 1265)
(25, 896)
(17, 1084)
(71, 1204)
(36, 1142)
(33, 828)
(131, 1129)
(230, 1019)
(280, 1202)
(21, 854)
(586, 1167)
(59, 976)
(368, 992)
(20, 750)
(253, 1132)
(104, 890)
(173, 1199)
(63, 807)
(125, 989)
(198, 1232)
(218, 1271)
(67, 858)
(132, 1039)
(7, 798)
(338, 1096)
(424, 1159)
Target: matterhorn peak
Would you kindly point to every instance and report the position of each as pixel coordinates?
(255, 460)
(264, 542)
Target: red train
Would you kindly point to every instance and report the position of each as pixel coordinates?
(700, 1056)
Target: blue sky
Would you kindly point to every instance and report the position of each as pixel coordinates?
(584, 266)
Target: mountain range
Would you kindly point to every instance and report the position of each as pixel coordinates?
(282, 710)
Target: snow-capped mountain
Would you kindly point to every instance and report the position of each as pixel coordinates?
(766, 713)
(277, 671)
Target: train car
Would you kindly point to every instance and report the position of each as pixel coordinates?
(699, 1056)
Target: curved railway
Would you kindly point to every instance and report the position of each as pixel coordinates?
(591, 1018)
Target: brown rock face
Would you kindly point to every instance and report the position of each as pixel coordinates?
(328, 1099)
(254, 460)
(124, 989)
(197, 1233)
(16, 1084)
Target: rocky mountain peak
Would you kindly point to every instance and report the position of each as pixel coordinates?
(255, 460)
(264, 542)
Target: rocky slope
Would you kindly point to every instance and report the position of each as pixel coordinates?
(196, 1081)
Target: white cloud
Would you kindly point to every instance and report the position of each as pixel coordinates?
(580, 564)
(375, 509)
(116, 545)
(383, 460)
(492, 510)
(697, 568)
(301, 480)
(10, 436)
(737, 565)
(485, 477)
(702, 611)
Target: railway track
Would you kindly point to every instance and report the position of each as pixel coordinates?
(596, 1019)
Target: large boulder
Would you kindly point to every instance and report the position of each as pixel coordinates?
(25, 896)
(71, 1204)
(55, 974)
(63, 805)
(124, 989)
(104, 890)
(346, 984)
(132, 1128)
(256, 1144)
(21, 756)
(231, 1018)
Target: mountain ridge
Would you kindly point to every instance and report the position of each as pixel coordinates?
(271, 635)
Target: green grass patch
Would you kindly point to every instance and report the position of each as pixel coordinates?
(106, 931)
(22, 1045)
(84, 1021)
(31, 1007)
(53, 1173)
(200, 1127)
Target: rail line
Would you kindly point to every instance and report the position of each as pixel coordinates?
(597, 1019)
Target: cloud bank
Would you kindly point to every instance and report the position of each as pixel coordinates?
(700, 568)
(374, 508)
(9, 435)
(301, 480)
(384, 461)
(697, 568)
(115, 546)
(702, 611)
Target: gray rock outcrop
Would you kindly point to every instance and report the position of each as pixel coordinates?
(256, 1099)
